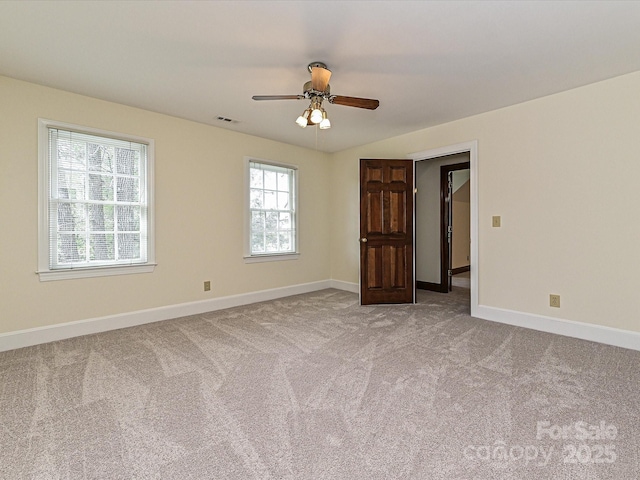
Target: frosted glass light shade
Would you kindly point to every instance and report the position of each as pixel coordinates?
(316, 115)
(302, 119)
(325, 123)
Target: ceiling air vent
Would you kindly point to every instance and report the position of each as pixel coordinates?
(227, 120)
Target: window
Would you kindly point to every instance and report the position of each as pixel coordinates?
(95, 211)
(272, 223)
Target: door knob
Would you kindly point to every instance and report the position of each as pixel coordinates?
(363, 240)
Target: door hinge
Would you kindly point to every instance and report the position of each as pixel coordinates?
(450, 273)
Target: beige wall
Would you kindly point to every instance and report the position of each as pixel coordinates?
(199, 213)
(562, 171)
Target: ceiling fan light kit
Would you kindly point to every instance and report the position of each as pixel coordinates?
(317, 90)
(303, 119)
(316, 112)
(325, 123)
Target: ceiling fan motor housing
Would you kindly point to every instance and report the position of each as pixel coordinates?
(316, 64)
(310, 92)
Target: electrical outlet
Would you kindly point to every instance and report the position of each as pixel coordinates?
(207, 286)
(495, 220)
(554, 301)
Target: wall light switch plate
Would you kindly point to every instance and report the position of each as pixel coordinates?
(495, 220)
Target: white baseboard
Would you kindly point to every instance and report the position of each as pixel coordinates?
(569, 328)
(347, 286)
(36, 336)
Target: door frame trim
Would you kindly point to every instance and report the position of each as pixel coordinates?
(472, 148)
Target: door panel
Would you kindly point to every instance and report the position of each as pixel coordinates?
(374, 207)
(386, 231)
(446, 213)
(374, 267)
(449, 209)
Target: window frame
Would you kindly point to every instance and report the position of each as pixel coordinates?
(269, 256)
(45, 272)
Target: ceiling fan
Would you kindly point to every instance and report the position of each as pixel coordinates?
(317, 90)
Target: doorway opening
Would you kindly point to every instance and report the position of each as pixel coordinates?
(387, 233)
(456, 269)
(442, 221)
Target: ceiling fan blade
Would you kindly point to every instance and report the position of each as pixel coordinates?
(367, 103)
(320, 78)
(278, 97)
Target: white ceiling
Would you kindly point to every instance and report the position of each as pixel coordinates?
(427, 62)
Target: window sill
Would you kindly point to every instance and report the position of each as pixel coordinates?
(87, 272)
(277, 257)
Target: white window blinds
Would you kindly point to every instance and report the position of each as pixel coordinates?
(272, 209)
(98, 205)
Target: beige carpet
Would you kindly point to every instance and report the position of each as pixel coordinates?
(317, 387)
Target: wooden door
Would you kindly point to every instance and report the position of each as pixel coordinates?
(446, 223)
(449, 230)
(386, 231)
